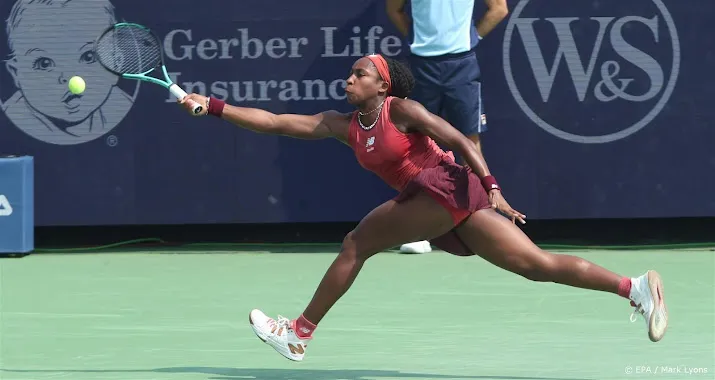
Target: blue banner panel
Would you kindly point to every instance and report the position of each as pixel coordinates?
(596, 109)
(17, 214)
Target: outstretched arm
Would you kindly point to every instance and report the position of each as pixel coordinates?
(312, 127)
(413, 117)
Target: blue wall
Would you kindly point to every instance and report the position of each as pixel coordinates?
(620, 127)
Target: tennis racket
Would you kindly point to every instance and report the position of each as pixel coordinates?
(133, 51)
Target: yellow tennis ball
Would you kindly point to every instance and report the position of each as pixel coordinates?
(76, 85)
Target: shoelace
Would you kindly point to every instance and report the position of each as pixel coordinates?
(281, 322)
(639, 310)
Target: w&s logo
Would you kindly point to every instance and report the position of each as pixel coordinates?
(591, 72)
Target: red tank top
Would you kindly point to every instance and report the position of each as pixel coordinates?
(394, 156)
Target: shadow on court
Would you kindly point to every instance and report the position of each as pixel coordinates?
(217, 373)
(317, 374)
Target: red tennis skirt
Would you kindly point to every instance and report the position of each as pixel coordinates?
(458, 189)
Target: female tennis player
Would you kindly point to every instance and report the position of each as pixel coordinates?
(454, 206)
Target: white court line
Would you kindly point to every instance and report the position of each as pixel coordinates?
(60, 315)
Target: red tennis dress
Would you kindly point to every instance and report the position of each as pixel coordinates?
(413, 162)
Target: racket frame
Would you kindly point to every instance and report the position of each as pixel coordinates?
(167, 83)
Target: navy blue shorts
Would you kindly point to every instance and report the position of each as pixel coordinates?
(450, 87)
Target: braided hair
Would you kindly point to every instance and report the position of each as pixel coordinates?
(401, 77)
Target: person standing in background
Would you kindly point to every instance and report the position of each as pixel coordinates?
(444, 63)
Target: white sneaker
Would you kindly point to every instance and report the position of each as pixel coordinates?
(648, 299)
(278, 334)
(416, 247)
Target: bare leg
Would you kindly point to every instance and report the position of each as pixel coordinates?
(503, 244)
(389, 225)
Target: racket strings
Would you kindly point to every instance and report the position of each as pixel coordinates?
(129, 50)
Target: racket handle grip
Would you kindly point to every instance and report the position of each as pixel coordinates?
(175, 90)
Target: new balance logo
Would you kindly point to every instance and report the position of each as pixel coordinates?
(5, 207)
(296, 350)
(369, 144)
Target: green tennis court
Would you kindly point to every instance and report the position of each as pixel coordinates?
(183, 314)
